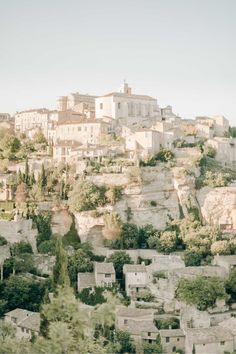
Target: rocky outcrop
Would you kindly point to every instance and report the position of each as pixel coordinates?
(61, 221)
(218, 206)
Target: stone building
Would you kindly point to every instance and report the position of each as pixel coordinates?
(130, 109)
(102, 276)
(136, 278)
(144, 142)
(225, 150)
(27, 323)
(172, 340)
(74, 99)
(212, 340)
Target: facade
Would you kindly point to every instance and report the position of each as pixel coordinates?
(172, 340)
(27, 323)
(128, 108)
(212, 340)
(5, 117)
(74, 99)
(138, 322)
(225, 150)
(208, 127)
(84, 131)
(136, 278)
(144, 142)
(102, 276)
(32, 120)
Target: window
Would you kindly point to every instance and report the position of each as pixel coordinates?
(107, 275)
(222, 343)
(177, 339)
(101, 105)
(125, 322)
(118, 105)
(167, 339)
(149, 333)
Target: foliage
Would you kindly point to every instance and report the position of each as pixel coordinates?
(39, 138)
(201, 291)
(128, 237)
(91, 296)
(43, 222)
(71, 238)
(192, 259)
(113, 194)
(168, 242)
(9, 145)
(3, 241)
(167, 323)
(164, 155)
(152, 348)
(86, 196)
(25, 293)
(231, 284)
(119, 259)
(21, 193)
(21, 248)
(60, 271)
(80, 261)
(124, 341)
(222, 247)
(48, 247)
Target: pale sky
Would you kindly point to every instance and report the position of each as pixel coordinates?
(183, 52)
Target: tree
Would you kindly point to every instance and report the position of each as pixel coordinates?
(48, 247)
(86, 196)
(43, 222)
(42, 179)
(128, 237)
(124, 342)
(3, 241)
(201, 291)
(119, 259)
(152, 348)
(167, 242)
(60, 271)
(25, 293)
(231, 284)
(9, 144)
(221, 247)
(39, 138)
(80, 261)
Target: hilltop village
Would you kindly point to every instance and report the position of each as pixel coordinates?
(117, 229)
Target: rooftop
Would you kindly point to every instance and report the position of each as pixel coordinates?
(86, 280)
(103, 267)
(171, 333)
(25, 318)
(133, 312)
(208, 335)
(133, 268)
(120, 94)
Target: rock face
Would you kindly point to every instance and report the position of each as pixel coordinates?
(218, 206)
(152, 201)
(90, 228)
(61, 221)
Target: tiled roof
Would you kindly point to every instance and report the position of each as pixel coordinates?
(131, 268)
(26, 319)
(124, 311)
(103, 267)
(171, 333)
(214, 334)
(86, 280)
(138, 327)
(80, 120)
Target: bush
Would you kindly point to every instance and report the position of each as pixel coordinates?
(71, 238)
(86, 196)
(3, 241)
(192, 259)
(201, 291)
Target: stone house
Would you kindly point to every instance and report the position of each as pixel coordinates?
(212, 340)
(230, 325)
(172, 340)
(136, 278)
(102, 276)
(138, 322)
(144, 142)
(27, 323)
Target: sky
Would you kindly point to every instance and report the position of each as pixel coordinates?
(183, 52)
